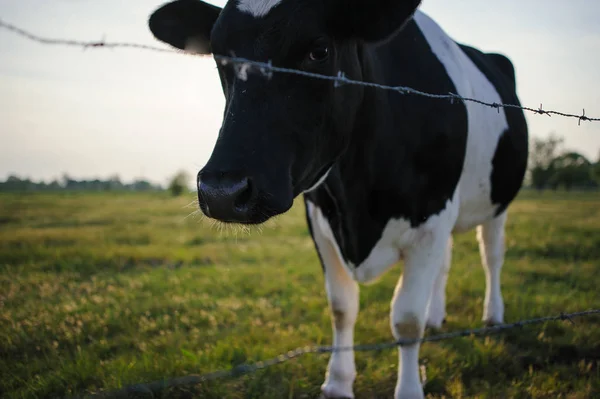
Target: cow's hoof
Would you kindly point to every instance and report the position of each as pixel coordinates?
(493, 317)
(410, 394)
(493, 312)
(322, 396)
(335, 391)
(492, 321)
(435, 324)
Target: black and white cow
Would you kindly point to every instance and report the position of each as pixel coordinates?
(385, 176)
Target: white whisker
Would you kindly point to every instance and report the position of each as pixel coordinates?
(194, 213)
(194, 203)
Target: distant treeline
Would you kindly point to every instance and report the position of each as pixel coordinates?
(553, 167)
(550, 166)
(15, 183)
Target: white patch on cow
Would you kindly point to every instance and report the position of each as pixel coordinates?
(241, 70)
(342, 293)
(398, 236)
(485, 125)
(319, 221)
(257, 8)
(319, 182)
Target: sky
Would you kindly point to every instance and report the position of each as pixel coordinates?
(100, 112)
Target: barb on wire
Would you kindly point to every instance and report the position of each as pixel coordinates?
(243, 66)
(83, 44)
(293, 354)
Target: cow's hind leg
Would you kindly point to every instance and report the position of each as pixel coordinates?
(436, 310)
(491, 247)
(408, 313)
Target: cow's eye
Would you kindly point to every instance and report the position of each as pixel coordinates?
(319, 54)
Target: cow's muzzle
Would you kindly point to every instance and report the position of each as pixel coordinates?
(228, 197)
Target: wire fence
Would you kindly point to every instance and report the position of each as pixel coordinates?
(244, 66)
(248, 368)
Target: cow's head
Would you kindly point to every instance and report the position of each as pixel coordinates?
(280, 134)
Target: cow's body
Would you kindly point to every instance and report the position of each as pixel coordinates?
(416, 158)
(413, 170)
(435, 168)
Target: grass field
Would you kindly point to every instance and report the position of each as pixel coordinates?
(99, 291)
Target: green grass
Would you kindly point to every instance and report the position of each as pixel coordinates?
(99, 291)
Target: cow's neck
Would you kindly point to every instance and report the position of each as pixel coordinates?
(350, 196)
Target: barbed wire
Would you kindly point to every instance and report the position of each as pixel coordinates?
(83, 44)
(243, 66)
(294, 354)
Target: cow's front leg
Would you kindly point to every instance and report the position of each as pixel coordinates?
(408, 311)
(342, 292)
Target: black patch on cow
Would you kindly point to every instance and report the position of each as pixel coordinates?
(510, 159)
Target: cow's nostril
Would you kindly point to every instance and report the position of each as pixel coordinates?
(244, 195)
(226, 196)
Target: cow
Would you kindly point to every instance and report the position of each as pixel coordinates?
(386, 176)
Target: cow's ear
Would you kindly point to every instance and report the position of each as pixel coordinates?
(370, 20)
(185, 24)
